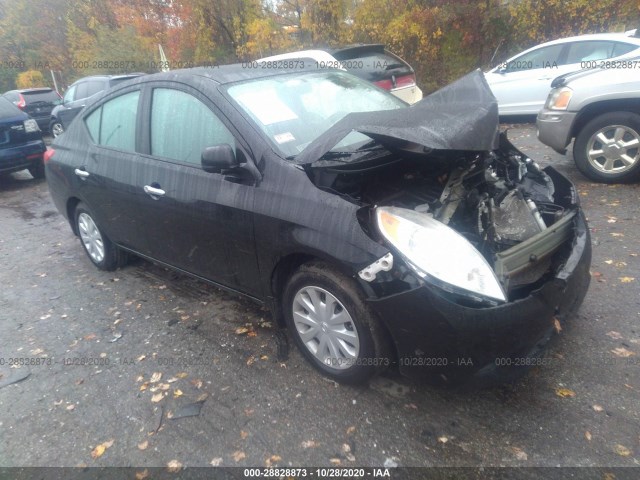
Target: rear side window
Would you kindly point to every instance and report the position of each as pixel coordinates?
(81, 91)
(70, 96)
(591, 50)
(182, 127)
(373, 65)
(622, 48)
(114, 123)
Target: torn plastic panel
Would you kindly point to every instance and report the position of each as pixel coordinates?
(461, 116)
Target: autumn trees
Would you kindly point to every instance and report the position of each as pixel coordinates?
(441, 39)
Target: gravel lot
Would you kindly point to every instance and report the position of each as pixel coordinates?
(163, 346)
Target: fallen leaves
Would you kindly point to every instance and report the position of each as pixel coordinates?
(519, 454)
(622, 352)
(100, 449)
(626, 279)
(556, 325)
(238, 455)
(443, 439)
(174, 466)
(216, 462)
(157, 397)
(597, 408)
(622, 450)
(272, 459)
(587, 435)
(156, 377)
(142, 475)
(565, 393)
(309, 444)
(143, 445)
(177, 393)
(614, 335)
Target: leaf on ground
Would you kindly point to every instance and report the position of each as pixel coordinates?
(177, 393)
(143, 445)
(351, 430)
(216, 462)
(172, 380)
(100, 449)
(565, 393)
(622, 352)
(164, 387)
(556, 325)
(174, 466)
(141, 357)
(622, 450)
(272, 459)
(597, 408)
(335, 461)
(155, 377)
(197, 383)
(238, 455)
(242, 330)
(251, 361)
(139, 379)
(90, 337)
(71, 407)
(519, 453)
(243, 434)
(443, 439)
(142, 474)
(182, 375)
(157, 397)
(587, 435)
(615, 234)
(144, 386)
(614, 335)
(626, 279)
(309, 444)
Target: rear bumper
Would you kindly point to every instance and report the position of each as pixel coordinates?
(554, 128)
(23, 156)
(440, 340)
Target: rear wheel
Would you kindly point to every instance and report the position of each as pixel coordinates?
(607, 149)
(332, 325)
(37, 169)
(100, 250)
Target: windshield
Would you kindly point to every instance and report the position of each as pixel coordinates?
(293, 110)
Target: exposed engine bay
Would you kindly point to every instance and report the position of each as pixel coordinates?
(497, 200)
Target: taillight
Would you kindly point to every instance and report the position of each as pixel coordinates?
(397, 82)
(21, 102)
(48, 154)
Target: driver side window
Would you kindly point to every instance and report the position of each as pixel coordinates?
(182, 127)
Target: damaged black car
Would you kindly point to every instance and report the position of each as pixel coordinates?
(381, 234)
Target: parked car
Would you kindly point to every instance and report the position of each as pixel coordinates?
(77, 96)
(522, 83)
(371, 62)
(21, 144)
(379, 233)
(601, 110)
(36, 102)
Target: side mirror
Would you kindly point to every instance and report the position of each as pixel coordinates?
(217, 158)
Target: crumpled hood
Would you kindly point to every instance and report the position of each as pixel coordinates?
(461, 116)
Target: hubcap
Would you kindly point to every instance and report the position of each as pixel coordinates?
(91, 238)
(325, 327)
(614, 149)
(57, 130)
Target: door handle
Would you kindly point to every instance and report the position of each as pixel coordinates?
(81, 173)
(153, 191)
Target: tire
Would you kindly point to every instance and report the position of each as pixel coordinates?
(55, 128)
(37, 169)
(617, 136)
(100, 250)
(364, 347)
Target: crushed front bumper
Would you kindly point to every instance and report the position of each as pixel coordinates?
(554, 128)
(444, 341)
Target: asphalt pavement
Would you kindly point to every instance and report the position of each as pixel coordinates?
(144, 367)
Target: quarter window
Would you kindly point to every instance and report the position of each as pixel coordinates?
(114, 123)
(591, 50)
(544, 57)
(182, 127)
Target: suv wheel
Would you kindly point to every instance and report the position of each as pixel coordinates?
(332, 325)
(104, 254)
(37, 169)
(607, 149)
(56, 128)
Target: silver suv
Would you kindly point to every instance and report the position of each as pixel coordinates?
(600, 108)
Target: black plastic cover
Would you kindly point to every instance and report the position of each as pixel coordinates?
(460, 116)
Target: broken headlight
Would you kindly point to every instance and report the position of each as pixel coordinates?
(438, 252)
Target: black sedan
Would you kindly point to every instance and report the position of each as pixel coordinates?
(380, 234)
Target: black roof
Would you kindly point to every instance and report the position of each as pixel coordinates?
(31, 90)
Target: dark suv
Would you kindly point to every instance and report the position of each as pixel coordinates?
(77, 96)
(21, 144)
(35, 102)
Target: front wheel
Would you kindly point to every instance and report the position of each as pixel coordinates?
(607, 149)
(100, 250)
(332, 325)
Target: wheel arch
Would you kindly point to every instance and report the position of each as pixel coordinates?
(596, 109)
(72, 204)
